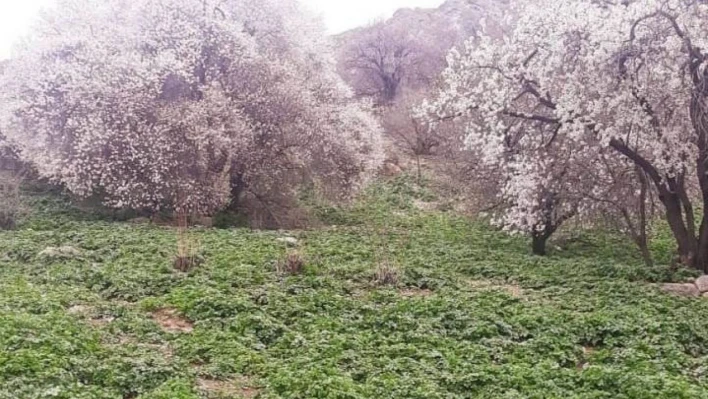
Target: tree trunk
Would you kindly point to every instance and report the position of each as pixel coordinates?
(646, 254)
(238, 187)
(701, 262)
(687, 244)
(419, 172)
(699, 119)
(642, 240)
(538, 244)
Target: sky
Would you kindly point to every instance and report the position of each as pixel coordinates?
(339, 15)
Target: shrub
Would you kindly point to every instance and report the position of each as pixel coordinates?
(387, 273)
(292, 264)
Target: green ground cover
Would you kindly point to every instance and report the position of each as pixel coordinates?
(472, 314)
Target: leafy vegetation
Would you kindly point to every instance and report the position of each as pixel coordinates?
(471, 315)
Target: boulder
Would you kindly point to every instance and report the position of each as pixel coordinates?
(702, 284)
(689, 290)
(289, 241)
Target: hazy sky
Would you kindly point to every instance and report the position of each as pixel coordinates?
(339, 15)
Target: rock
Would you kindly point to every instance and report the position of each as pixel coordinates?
(425, 206)
(65, 252)
(702, 284)
(705, 295)
(290, 241)
(78, 309)
(204, 221)
(689, 290)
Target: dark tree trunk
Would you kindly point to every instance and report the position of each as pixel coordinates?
(552, 222)
(701, 262)
(238, 187)
(674, 216)
(699, 119)
(642, 239)
(538, 243)
(390, 90)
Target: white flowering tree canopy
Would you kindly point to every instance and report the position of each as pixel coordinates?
(156, 104)
(627, 78)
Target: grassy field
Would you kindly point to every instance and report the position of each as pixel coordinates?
(471, 315)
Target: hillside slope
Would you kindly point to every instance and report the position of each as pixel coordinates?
(427, 32)
(467, 312)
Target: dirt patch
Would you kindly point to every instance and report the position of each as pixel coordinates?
(512, 289)
(237, 388)
(584, 362)
(171, 321)
(415, 293)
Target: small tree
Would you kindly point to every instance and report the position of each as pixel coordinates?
(409, 132)
(386, 59)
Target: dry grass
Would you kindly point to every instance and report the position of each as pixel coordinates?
(187, 246)
(387, 273)
(587, 353)
(292, 264)
(512, 289)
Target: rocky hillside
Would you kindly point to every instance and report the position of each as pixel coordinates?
(414, 43)
(464, 16)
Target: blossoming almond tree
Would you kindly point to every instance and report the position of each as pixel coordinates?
(624, 75)
(185, 104)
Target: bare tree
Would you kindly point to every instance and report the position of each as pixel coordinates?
(410, 133)
(378, 62)
(387, 58)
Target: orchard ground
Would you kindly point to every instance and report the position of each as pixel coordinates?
(468, 311)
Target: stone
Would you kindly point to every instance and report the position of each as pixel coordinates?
(290, 241)
(688, 290)
(702, 284)
(79, 309)
(65, 252)
(425, 206)
(204, 221)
